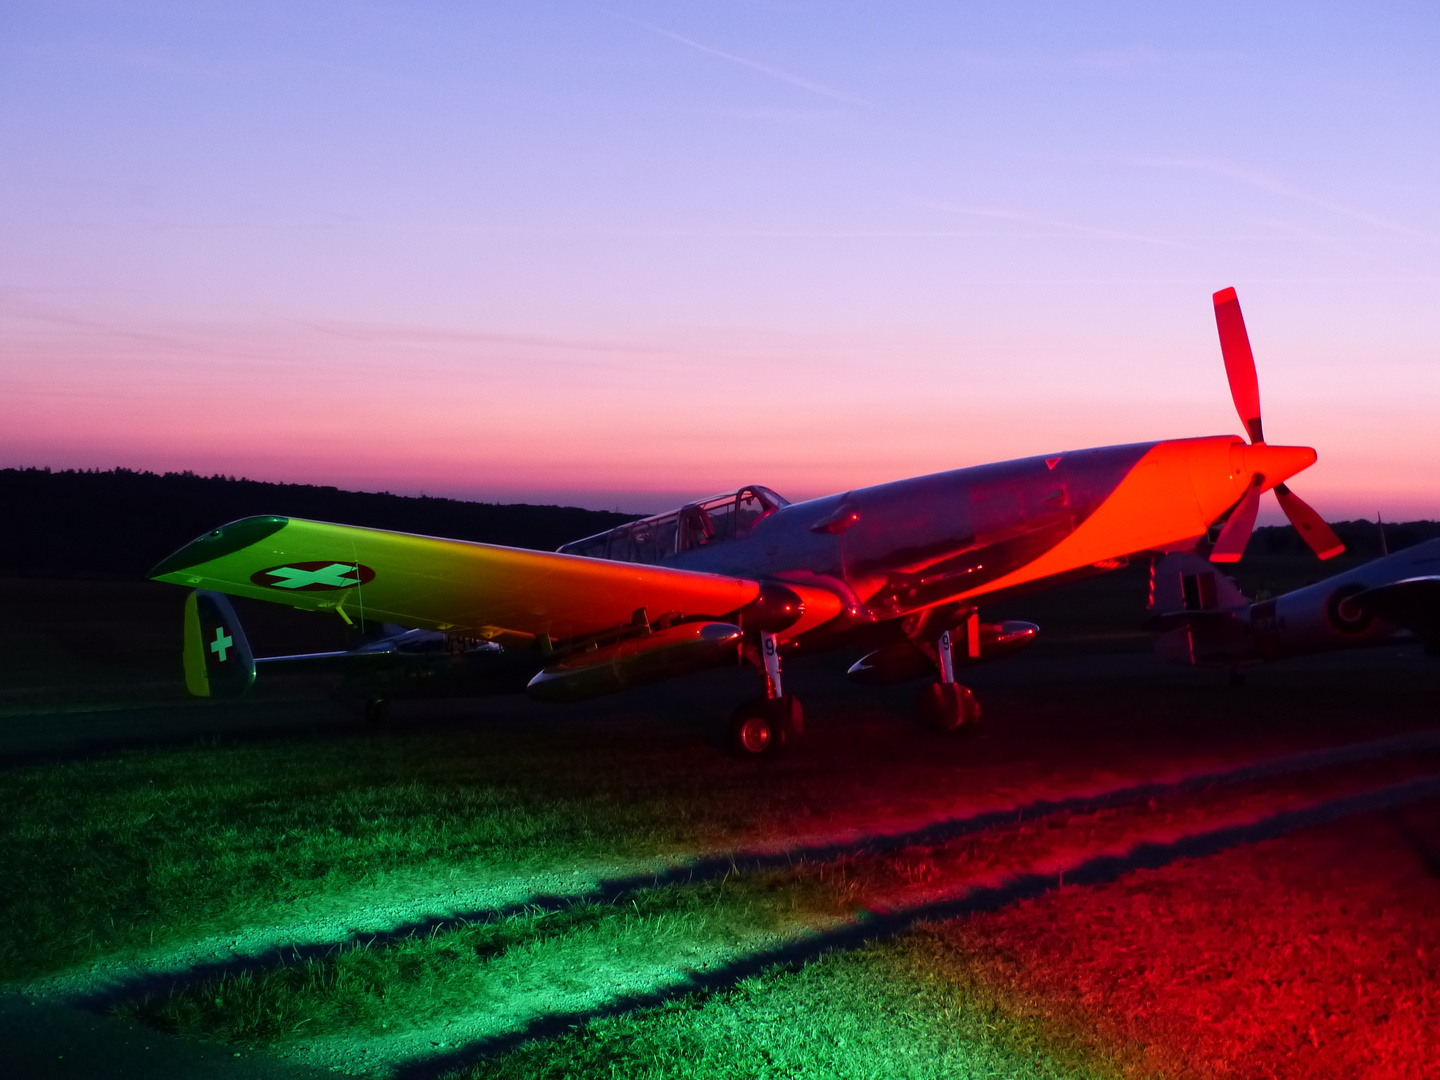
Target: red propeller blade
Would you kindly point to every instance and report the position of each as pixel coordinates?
(1309, 524)
(1239, 361)
(1236, 533)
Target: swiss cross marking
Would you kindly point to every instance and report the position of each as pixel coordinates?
(223, 643)
(314, 576)
(336, 575)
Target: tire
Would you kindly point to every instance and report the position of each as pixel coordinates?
(947, 707)
(760, 728)
(794, 716)
(377, 712)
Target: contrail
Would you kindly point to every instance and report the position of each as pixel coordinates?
(774, 72)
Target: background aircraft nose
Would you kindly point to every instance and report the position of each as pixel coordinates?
(1276, 463)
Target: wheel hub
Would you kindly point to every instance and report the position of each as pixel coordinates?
(755, 735)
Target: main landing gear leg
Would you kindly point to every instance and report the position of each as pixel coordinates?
(764, 725)
(946, 705)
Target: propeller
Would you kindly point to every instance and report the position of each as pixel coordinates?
(1245, 390)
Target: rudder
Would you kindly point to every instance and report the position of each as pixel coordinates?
(218, 660)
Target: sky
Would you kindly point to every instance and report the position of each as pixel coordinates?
(621, 255)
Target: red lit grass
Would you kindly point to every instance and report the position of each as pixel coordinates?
(1313, 956)
(450, 975)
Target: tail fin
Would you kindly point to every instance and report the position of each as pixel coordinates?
(1186, 582)
(218, 660)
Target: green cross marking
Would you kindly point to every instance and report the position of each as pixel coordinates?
(222, 642)
(336, 575)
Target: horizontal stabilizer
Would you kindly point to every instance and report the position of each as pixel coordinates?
(1177, 620)
(344, 663)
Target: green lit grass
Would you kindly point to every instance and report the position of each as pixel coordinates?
(896, 1009)
(501, 973)
(124, 853)
(880, 1012)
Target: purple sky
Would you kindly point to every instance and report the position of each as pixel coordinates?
(624, 256)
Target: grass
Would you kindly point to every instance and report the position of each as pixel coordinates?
(148, 850)
(884, 1011)
(1308, 958)
(479, 982)
(498, 973)
(107, 855)
(877, 1013)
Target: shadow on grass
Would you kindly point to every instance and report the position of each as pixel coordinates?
(875, 927)
(83, 731)
(1425, 848)
(698, 871)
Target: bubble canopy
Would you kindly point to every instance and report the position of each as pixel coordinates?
(715, 520)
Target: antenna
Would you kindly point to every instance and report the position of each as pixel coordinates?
(1384, 547)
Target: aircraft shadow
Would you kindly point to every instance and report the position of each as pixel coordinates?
(614, 891)
(882, 926)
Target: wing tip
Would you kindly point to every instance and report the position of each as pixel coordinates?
(220, 542)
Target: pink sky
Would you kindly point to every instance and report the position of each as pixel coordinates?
(624, 259)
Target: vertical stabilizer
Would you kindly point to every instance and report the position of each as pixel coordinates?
(218, 660)
(1186, 582)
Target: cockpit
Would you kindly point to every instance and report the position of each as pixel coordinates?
(716, 520)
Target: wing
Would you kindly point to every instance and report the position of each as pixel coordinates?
(507, 594)
(1413, 604)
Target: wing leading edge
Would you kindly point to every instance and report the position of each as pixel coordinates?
(507, 594)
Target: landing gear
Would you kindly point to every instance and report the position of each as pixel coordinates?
(946, 705)
(763, 726)
(377, 712)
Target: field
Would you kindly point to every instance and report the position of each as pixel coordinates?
(1133, 870)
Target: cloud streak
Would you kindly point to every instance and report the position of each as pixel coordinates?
(766, 69)
(1060, 227)
(1272, 185)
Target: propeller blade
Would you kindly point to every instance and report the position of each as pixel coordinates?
(1239, 361)
(1236, 534)
(1309, 524)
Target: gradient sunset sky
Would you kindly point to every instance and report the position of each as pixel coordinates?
(625, 254)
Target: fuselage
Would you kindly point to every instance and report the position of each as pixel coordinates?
(1317, 618)
(958, 536)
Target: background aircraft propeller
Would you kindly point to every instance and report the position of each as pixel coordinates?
(1245, 390)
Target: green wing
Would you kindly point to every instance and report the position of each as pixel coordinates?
(478, 589)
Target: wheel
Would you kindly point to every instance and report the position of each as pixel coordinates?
(947, 707)
(762, 727)
(377, 711)
(793, 716)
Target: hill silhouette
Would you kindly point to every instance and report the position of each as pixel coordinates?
(120, 523)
